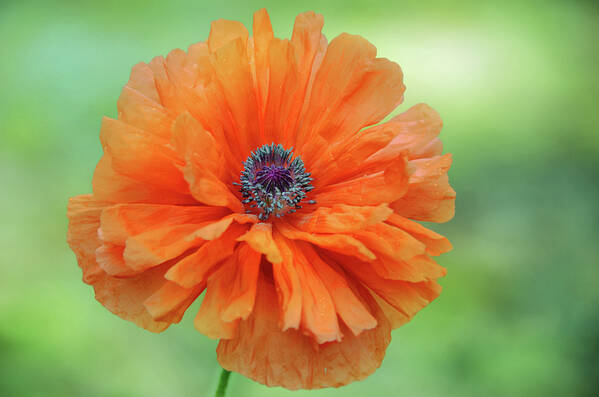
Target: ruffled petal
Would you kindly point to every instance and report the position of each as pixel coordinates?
(352, 89)
(390, 241)
(263, 34)
(429, 197)
(82, 236)
(121, 221)
(416, 131)
(350, 308)
(223, 31)
(142, 157)
(340, 218)
(349, 160)
(122, 296)
(207, 103)
(230, 295)
(341, 243)
(159, 245)
(406, 297)
(109, 185)
(435, 243)
(110, 258)
(242, 290)
(142, 80)
(289, 359)
(284, 71)
(139, 236)
(125, 296)
(319, 318)
(310, 46)
(197, 146)
(196, 267)
(137, 110)
(289, 288)
(216, 229)
(282, 106)
(259, 237)
(233, 73)
(170, 301)
(166, 83)
(203, 164)
(381, 187)
(416, 269)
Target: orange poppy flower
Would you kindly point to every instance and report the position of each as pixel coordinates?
(308, 258)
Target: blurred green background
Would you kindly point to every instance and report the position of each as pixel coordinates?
(517, 86)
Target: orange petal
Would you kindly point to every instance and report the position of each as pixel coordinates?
(309, 45)
(208, 320)
(232, 70)
(416, 269)
(429, 197)
(165, 89)
(110, 258)
(170, 301)
(340, 218)
(352, 90)
(395, 317)
(142, 80)
(196, 145)
(242, 289)
(306, 38)
(159, 245)
(380, 91)
(223, 31)
(435, 243)
(415, 131)
(282, 105)
(122, 296)
(259, 237)
(215, 229)
(108, 185)
(408, 298)
(263, 34)
(341, 243)
(121, 221)
(349, 160)
(206, 102)
(350, 308)
(125, 296)
(381, 187)
(288, 285)
(230, 295)
(208, 189)
(289, 359)
(319, 318)
(194, 268)
(390, 241)
(141, 112)
(140, 156)
(154, 247)
(82, 236)
(203, 168)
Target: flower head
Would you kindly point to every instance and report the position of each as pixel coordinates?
(307, 259)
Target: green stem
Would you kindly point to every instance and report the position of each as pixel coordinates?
(222, 383)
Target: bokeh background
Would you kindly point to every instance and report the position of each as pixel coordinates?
(517, 85)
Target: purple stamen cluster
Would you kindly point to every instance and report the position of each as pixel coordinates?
(273, 182)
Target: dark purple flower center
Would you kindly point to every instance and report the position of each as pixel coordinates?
(273, 183)
(273, 177)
